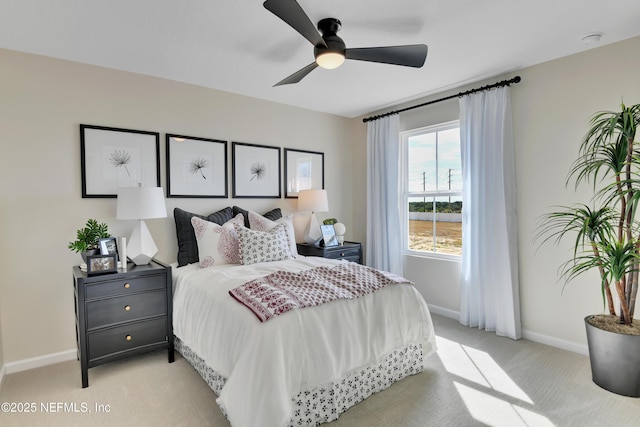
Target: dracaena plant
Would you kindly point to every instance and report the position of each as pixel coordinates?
(605, 233)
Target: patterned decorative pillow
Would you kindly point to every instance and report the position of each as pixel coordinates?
(187, 245)
(263, 246)
(273, 214)
(261, 223)
(217, 244)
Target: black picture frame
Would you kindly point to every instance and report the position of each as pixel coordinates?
(101, 264)
(329, 235)
(196, 167)
(109, 246)
(256, 171)
(303, 170)
(111, 158)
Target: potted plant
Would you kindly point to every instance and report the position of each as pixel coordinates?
(87, 238)
(606, 237)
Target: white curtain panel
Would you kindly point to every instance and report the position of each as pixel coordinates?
(489, 294)
(384, 242)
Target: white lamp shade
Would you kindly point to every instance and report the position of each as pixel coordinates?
(141, 203)
(313, 201)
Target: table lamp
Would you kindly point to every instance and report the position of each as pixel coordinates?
(313, 201)
(141, 203)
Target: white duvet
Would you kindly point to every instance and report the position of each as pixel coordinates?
(266, 364)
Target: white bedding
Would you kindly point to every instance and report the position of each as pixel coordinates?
(267, 364)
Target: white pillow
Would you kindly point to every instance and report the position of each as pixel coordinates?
(260, 223)
(217, 244)
(263, 246)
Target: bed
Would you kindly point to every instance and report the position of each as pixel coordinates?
(302, 366)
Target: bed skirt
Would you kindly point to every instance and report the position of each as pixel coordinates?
(325, 403)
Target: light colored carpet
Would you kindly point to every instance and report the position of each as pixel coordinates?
(476, 379)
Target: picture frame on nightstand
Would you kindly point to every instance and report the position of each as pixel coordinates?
(328, 235)
(101, 264)
(109, 246)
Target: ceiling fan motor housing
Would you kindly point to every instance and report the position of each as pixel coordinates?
(329, 27)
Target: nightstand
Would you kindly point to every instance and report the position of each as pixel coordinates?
(350, 251)
(122, 314)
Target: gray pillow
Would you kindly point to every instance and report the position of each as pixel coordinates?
(273, 214)
(187, 244)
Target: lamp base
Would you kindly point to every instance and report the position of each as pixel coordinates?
(312, 234)
(141, 248)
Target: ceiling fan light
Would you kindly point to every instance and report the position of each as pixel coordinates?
(330, 60)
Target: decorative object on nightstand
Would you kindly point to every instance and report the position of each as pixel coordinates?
(340, 230)
(122, 314)
(101, 264)
(87, 238)
(328, 235)
(313, 201)
(349, 251)
(141, 203)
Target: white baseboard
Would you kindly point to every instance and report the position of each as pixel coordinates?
(451, 314)
(64, 356)
(528, 335)
(556, 342)
(38, 362)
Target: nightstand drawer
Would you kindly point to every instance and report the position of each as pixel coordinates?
(126, 308)
(124, 286)
(348, 253)
(127, 337)
(353, 258)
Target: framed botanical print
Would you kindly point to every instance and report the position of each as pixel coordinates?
(256, 171)
(196, 167)
(303, 170)
(112, 158)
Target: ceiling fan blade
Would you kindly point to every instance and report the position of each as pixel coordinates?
(408, 55)
(298, 75)
(291, 13)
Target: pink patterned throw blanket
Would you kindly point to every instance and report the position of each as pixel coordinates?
(283, 291)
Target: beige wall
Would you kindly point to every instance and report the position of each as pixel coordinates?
(42, 103)
(551, 107)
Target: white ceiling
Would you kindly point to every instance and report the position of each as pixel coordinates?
(240, 47)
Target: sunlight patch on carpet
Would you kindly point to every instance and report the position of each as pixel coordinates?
(490, 391)
(479, 367)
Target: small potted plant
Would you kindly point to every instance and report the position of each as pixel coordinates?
(87, 238)
(605, 234)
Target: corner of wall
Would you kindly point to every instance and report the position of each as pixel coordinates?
(2, 364)
(2, 372)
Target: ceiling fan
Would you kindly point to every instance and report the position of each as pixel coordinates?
(329, 49)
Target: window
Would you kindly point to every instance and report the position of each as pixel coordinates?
(432, 190)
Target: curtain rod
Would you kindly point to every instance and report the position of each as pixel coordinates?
(516, 79)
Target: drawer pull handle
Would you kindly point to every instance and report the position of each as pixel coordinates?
(127, 286)
(127, 307)
(129, 338)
